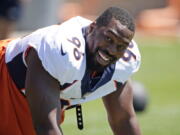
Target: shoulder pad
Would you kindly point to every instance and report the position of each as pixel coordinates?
(128, 64)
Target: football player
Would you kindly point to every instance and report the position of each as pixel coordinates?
(59, 66)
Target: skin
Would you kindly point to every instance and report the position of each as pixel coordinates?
(107, 41)
(43, 90)
(120, 111)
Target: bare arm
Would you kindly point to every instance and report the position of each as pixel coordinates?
(120, 111)
(42, 92)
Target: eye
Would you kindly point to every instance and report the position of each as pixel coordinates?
(121, 47)
(109, 39)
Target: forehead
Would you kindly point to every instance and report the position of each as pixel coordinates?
(119, 30)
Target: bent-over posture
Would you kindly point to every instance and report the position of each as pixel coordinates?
(56, 67)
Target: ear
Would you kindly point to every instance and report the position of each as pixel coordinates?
(92, 27)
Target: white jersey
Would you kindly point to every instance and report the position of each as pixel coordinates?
(61, 49)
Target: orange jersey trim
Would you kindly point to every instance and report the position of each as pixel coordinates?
(15, 115)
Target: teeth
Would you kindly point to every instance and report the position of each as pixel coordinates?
(103, 57)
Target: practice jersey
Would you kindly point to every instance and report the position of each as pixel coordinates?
(61, 49)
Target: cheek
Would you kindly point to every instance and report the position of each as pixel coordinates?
(120, 55)
(93, 47)
(96, 44)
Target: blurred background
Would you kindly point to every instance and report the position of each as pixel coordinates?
(158, 37)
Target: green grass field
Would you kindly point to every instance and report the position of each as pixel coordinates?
(160, 73)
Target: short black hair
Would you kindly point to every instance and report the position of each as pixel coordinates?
(119, 14)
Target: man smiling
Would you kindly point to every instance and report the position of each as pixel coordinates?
(64, 65)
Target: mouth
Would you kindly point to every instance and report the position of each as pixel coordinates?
(102, 58)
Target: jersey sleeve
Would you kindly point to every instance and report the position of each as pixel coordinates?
(129, 64)
(56, 53)
(52, 60)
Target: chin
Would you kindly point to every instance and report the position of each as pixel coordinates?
(95, 66)
(98, 67)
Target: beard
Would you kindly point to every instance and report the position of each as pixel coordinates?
(92, 64)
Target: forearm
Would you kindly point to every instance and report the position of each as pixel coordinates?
(51, 127)
(120, 111)
(42, 92)
(126, 127)
(49, 132)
